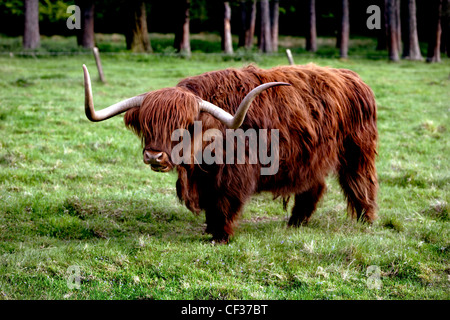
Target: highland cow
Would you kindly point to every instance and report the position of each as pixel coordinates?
(326, 123)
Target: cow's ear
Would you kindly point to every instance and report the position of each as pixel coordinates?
(131, 120)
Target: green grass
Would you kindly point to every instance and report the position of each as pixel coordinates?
(76, 193)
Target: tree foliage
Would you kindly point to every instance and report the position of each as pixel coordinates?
(207, 16)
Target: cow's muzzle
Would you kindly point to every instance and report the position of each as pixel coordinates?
(158, 161)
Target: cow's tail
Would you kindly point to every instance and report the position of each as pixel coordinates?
(357, 171)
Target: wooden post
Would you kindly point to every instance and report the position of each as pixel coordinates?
(99, 64)
(289, 56)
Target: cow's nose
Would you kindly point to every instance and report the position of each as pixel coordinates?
(151, 157)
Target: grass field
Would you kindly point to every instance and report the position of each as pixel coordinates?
(75, 195)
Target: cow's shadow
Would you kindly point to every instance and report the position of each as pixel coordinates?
(166, 219)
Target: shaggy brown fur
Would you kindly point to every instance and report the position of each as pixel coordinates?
(326, 122)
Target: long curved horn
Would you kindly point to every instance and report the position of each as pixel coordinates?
(110, 111)
(236, 121)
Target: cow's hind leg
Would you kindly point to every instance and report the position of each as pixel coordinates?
(358, 179)
(305, 204)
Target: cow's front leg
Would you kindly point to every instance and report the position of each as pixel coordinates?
(220, 218)
(218, 227)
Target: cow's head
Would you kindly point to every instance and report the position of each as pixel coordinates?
(155, 115)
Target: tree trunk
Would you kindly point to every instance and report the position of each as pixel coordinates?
(392, 30)
(411, 48)
(250, 27)
(311, 36)
(274, 17)
(265, 39)
(445, 27)
(137, 35)
(182, 42)
(31, 36)
(227, 43)
(398, 24)
(344, 30)
(434, 42)
(85, 37)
